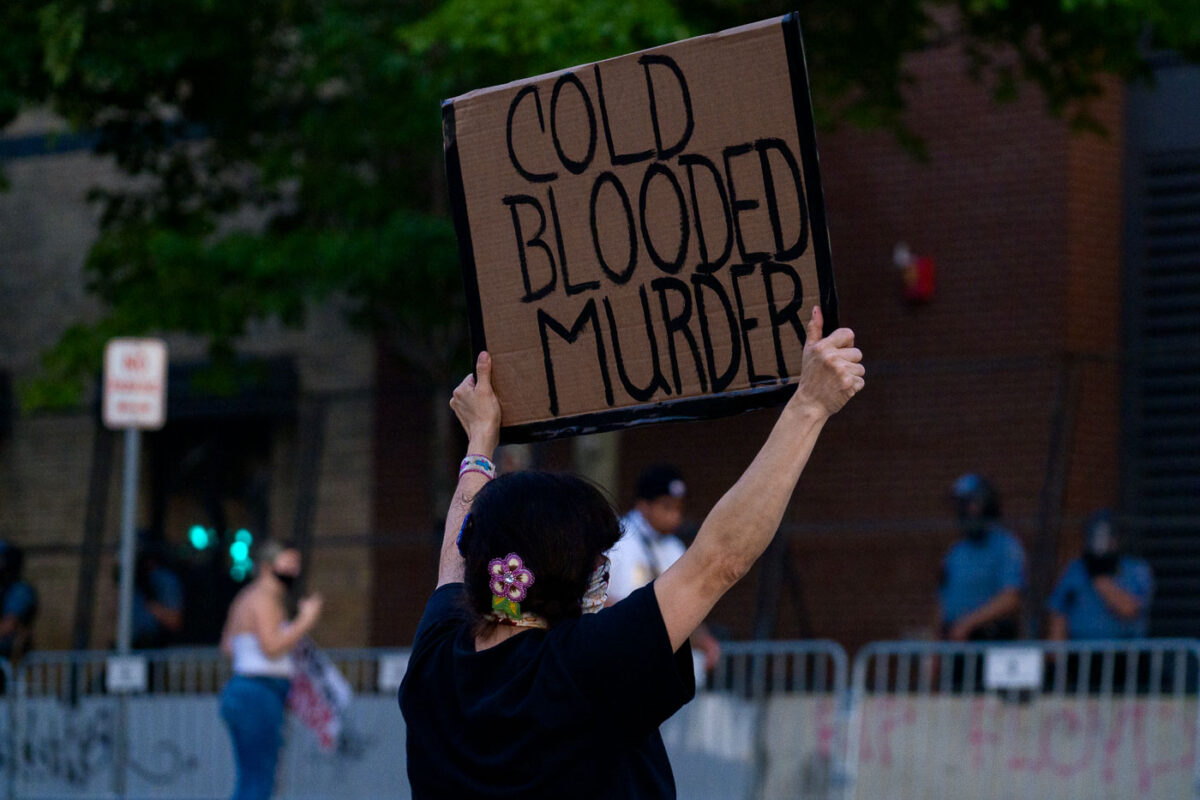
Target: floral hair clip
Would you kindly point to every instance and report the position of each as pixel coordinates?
(509, 580)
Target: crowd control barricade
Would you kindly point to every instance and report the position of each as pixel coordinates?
(974, 721)
(93, 725)
(767, 722)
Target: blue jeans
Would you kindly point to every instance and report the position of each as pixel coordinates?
(252, 707)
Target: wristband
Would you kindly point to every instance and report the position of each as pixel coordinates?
(475, 463)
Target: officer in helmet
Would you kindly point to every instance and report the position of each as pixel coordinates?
(984, 573)
(1103, 594)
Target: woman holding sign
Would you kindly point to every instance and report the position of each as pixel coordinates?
(514, 688)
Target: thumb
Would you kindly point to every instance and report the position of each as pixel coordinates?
(483, 369)
(815, 329)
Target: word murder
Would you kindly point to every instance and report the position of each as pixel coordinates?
(690, 217)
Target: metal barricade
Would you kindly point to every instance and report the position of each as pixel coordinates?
(768, 722)
(78, 733)
(1110, 719)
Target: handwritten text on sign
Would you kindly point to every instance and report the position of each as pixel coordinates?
(640, 227)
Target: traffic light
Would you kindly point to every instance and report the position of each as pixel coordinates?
(201, 537)
(239, 555)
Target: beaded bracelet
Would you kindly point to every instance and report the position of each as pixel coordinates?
(481, 464)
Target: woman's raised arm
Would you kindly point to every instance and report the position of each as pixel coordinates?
(478, 411)
(743, 522)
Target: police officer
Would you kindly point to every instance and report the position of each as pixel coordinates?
(648, 544)
(1103, 594)
(984, 573)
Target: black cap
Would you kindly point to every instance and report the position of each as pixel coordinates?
(660, 480)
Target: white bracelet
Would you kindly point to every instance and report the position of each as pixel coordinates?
(476, 463)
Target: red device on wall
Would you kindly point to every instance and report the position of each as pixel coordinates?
(918, 275)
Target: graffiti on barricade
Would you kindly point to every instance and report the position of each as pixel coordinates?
(180, 744)
(69, 745)
(60, 743)
(1134, 743)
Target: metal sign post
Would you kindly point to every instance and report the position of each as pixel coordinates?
(135, 393)
(133, 449)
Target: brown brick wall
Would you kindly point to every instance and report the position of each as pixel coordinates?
(1020, 217)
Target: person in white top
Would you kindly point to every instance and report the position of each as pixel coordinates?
(648, 544)
(259, 638)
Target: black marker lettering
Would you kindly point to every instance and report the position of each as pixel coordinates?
(691, 160)
(801, 244)
(689, 122)
(722, 380)
(728, 154)
(512, 201)
(562, 254)
(575, 167)
(631, 262)
(532, 177)
(670, 267)
(614, 158)
(657, 380)
(587, 316)
(747, 324)
(679, 324)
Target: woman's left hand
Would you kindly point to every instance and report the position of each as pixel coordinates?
(478, 408)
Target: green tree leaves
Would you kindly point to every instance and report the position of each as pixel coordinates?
(281, 152)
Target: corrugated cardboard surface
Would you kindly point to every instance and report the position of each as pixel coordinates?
(638, 233)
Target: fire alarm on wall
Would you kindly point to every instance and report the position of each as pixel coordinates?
(917, 273)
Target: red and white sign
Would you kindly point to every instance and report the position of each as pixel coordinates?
(135, 383)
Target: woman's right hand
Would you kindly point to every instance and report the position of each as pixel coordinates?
(478, 408)
(832, 370)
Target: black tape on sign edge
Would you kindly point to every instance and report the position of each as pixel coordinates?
(818, 225)
(688, 409)
(462, 226)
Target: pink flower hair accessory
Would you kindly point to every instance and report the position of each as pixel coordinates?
(509, 578)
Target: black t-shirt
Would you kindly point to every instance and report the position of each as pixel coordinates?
(568, 713)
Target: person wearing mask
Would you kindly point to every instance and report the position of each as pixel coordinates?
(1105, 593)
(259, 638)
(984, 574)
(649, 544)
(521, 683)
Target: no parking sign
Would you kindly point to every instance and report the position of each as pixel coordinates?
(135, 383)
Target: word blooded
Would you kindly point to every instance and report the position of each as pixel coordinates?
(690, 243)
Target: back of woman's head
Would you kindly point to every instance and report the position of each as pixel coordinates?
(558, 524)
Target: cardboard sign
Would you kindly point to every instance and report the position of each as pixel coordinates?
(135, 383)
(643, 238)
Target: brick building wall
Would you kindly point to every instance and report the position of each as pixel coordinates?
(1010, 370)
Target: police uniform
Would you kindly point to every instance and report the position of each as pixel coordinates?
(640, 555)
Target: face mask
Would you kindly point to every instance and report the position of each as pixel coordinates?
(597, 591)
(287, 580)
(974, 528)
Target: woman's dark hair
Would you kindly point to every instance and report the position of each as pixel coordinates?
(558, 524)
